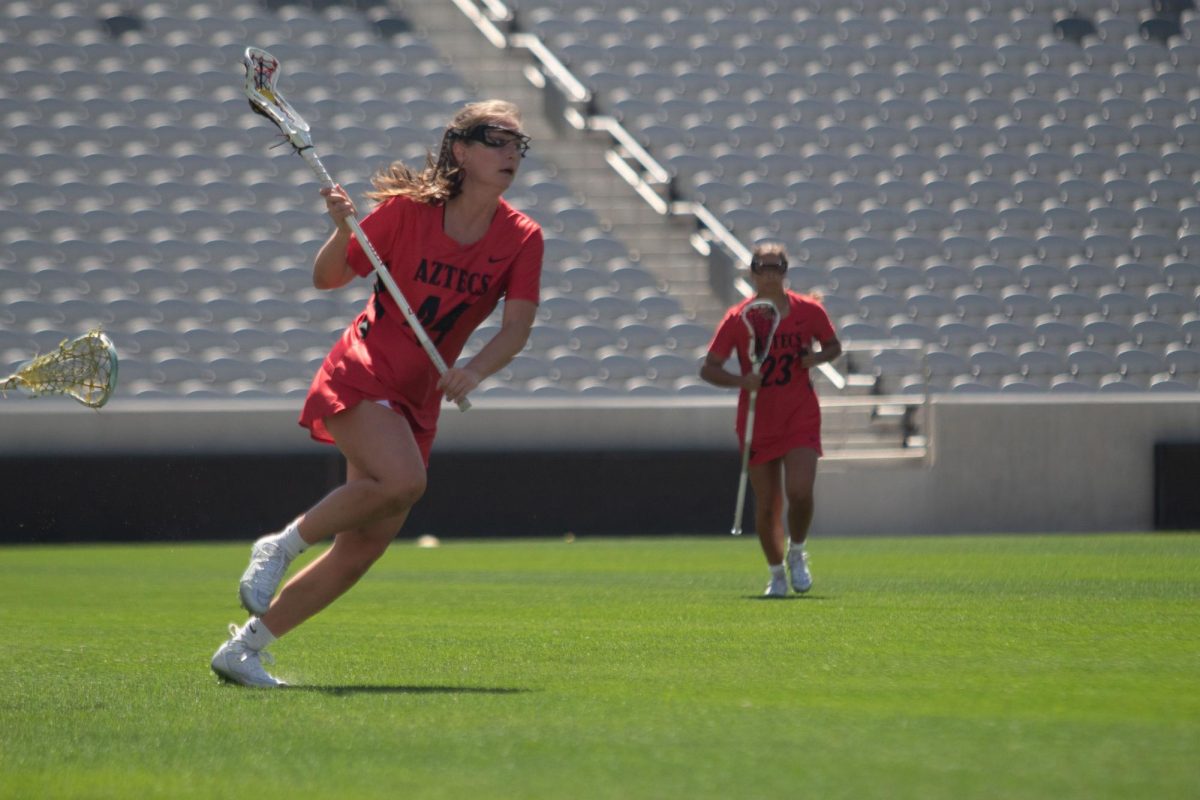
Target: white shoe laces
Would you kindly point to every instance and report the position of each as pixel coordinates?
(247, 653)
(266, 558)
(267, 566)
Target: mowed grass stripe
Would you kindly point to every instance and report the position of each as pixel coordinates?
(1018, 666)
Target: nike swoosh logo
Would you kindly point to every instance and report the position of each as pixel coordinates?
(492, 260)
(252, 629)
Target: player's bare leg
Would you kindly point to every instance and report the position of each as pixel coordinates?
(385, 475)
(800, 474)
(767, 482)
(330, 575)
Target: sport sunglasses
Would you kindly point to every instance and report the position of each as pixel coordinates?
(757, 266)
(495, 136)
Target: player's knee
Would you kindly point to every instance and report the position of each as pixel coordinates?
(401, 494)
(799, 495)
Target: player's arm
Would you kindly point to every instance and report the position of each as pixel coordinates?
(713, 370)
(831, 348)
(515, 325)
(330, 268)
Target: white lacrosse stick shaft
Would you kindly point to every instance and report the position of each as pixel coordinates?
(314, 161)
(757, 356)
(746, 439)
(262, 69)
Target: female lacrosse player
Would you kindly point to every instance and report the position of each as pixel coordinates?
(455, 248)
(786, 439)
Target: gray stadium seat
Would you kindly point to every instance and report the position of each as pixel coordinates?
(1116, 303)
(989, 276)
(1086, 276)
(1069, 384)
(893, 363)
(875, 305)
(560, 308)
(587, 337)
(1038, 364)
(523, 368)
(941, 366)
(1102, 333)
(1182, 276)
(568, 365)
(926, 306)
(853, 330)
(902, 328)
(1088, 364)
(1118, 383)
(1004, 334)
(1022, 306)
(1183, 362)
(1068, 303)
(959, 336)
(669, 365)
(1137, 364)
(1164, 302)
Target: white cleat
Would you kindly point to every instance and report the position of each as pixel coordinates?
(268, 564)
(237, 663)
(777, 588)
(797, 561)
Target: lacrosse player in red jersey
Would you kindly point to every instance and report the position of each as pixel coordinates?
(786, 438)
(455, 248)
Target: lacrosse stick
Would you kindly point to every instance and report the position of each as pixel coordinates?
(262, 70)
(83, 368)
(761, 318)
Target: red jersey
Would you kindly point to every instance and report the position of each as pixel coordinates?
(451, 288)
(786, 414)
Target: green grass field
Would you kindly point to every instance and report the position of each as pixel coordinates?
(957, 667)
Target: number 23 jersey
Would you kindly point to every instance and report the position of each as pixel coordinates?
(787, 414)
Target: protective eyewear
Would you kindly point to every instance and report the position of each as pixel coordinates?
(496, 137)
(758, 267)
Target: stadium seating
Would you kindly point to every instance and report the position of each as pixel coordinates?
(1081, 137)
(965, 178)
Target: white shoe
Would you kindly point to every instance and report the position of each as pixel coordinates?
(237, 663)
(797, 561)
(777, 587)
(268, 564)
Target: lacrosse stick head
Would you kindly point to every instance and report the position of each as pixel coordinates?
(84, 368)
(761, 318)
(262, 70)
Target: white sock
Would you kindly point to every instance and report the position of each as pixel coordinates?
(777, 571)
(255, 634)
(290, 539)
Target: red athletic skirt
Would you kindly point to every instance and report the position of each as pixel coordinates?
(779, 429)
(404, 380)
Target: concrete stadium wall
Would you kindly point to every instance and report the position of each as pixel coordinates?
(1027, 465)
(228, 468)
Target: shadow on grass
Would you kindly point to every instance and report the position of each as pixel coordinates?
(798, 597)
(368, 689)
